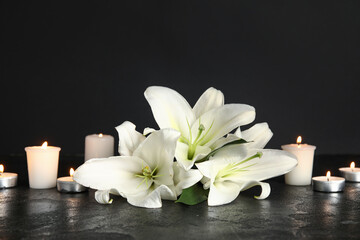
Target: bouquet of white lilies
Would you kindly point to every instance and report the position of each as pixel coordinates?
(210, 162)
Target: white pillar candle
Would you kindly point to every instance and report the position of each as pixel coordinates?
(99, 146)
(301, 175)
(42, 165)
(7, 179)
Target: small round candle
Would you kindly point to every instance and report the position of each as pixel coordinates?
(328, 183)
(68, 185)
(351, 174)
(42, 162)
(7, 179)
(304, 153)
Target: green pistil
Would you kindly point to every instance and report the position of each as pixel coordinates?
(192, 146)
(235, 168)
(147, 175)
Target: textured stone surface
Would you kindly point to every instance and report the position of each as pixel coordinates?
(289, 212)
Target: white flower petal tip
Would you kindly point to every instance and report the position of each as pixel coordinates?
(257, 136)
(103, 197)
(265, 190)
(211, 98)
(169, 108)
(148, 130)
(129, 138)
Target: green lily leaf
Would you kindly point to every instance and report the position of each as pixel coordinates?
(193, 195)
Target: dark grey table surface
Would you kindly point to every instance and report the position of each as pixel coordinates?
(289, 212)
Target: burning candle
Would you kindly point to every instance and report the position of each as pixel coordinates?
(328, 183)
(68, 185)
(302, 174)
(351, 174)
(7, 179)
(42, 162)
(99, 146)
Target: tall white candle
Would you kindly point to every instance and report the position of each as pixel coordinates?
(301, 175)
(99, 146)
(42, 165)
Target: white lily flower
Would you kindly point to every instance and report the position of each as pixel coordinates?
(200, 126)
(143, 178)
(237, 168)
(129, 139)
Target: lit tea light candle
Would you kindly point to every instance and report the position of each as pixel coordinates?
(99, 146)
(68, 185)
(7, 179)
(42, 162)
(304, 153)
(351, 174)
(328, 183)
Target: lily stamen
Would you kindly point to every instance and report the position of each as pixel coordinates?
(147, 175)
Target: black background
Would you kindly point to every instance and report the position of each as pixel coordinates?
(73, 68)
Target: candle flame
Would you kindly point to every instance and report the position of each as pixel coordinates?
(328, 174)
(299, 140)
(71, 172)
(352, 166)
(1, 168)
(101, 135)
(44, 145)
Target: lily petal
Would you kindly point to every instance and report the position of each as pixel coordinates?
(103, 197)
(158, 151)
(257, 136)
(238, 133)
(149, 199)
(265, 188)
(224, 140)
(111, 173)
(184, 179)
(273, 163)
(211, 98)
(220, 121)
(148, 130)
(223, 193)
(170, 109)
(181, 155)
(206, 182)
(129, 138)
(232, 152)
